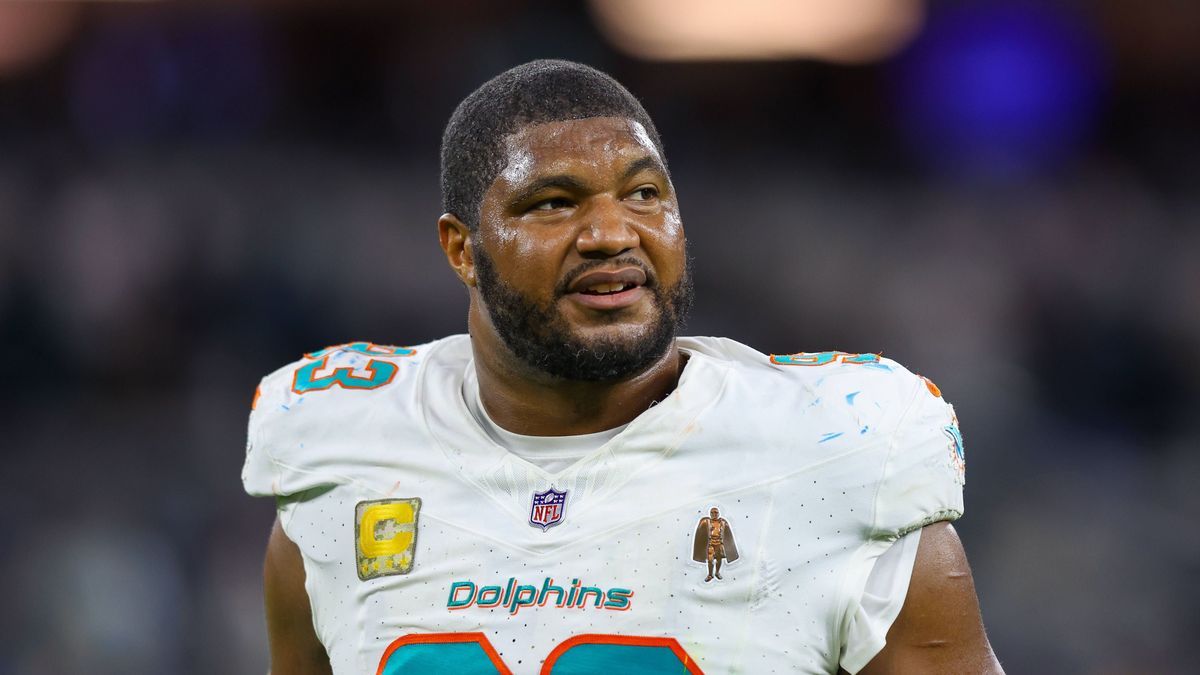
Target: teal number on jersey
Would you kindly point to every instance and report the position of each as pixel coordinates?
(306, 379)
(460, 653)
(381, 372)
(473, 654)
(822, 358)
(628, 655)
(368, 348)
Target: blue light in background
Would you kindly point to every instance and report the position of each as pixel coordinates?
(1000, 89)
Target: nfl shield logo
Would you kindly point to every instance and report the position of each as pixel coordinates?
(547, 509)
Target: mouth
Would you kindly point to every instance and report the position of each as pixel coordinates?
(608, 290)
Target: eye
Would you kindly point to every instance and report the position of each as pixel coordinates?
(644, 194)
(550, 204)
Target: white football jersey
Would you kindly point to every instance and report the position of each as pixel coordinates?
(428, 548)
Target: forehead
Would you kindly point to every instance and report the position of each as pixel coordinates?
(593, 143)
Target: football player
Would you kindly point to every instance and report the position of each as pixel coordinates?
(526, 498)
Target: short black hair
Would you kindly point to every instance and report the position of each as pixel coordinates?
(540, 91)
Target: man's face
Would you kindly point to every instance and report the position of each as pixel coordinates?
(714, 513)
(581, 258)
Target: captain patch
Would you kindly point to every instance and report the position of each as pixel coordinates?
(385, 536)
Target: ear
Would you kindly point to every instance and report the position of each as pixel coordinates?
(455, 238)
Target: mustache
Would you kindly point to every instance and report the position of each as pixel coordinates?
(583, 268)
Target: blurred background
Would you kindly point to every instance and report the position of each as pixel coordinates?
(1001, 195)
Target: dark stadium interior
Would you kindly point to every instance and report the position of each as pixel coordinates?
(193, 195)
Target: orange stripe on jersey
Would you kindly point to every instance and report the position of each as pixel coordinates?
(933, 388)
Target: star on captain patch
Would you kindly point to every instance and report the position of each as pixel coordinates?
(548, 508)
(385, 536)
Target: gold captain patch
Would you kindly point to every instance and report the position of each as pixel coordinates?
(385, 536)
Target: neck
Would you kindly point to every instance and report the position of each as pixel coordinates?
(534, 404)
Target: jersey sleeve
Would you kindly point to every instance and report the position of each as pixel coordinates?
(924, 472)
(881, 601)
(920, 483)
(329, 418)
(260, 473)
(278, 463)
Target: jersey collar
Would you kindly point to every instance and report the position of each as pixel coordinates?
(511, 481)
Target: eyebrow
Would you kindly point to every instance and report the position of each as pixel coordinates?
(562, 181)
(572, 184)
(647, 162)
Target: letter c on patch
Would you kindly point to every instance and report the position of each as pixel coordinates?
(399, 512)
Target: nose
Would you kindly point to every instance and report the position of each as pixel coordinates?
(607, 230)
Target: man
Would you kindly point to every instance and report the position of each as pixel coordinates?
(714, 543)
(521, 500)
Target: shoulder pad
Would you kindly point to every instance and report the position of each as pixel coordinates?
(922, 459)
(300, 402)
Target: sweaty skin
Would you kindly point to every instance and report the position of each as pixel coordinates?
(595, 189)
(572, 192)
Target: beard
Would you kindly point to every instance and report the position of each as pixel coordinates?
(540, 336)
